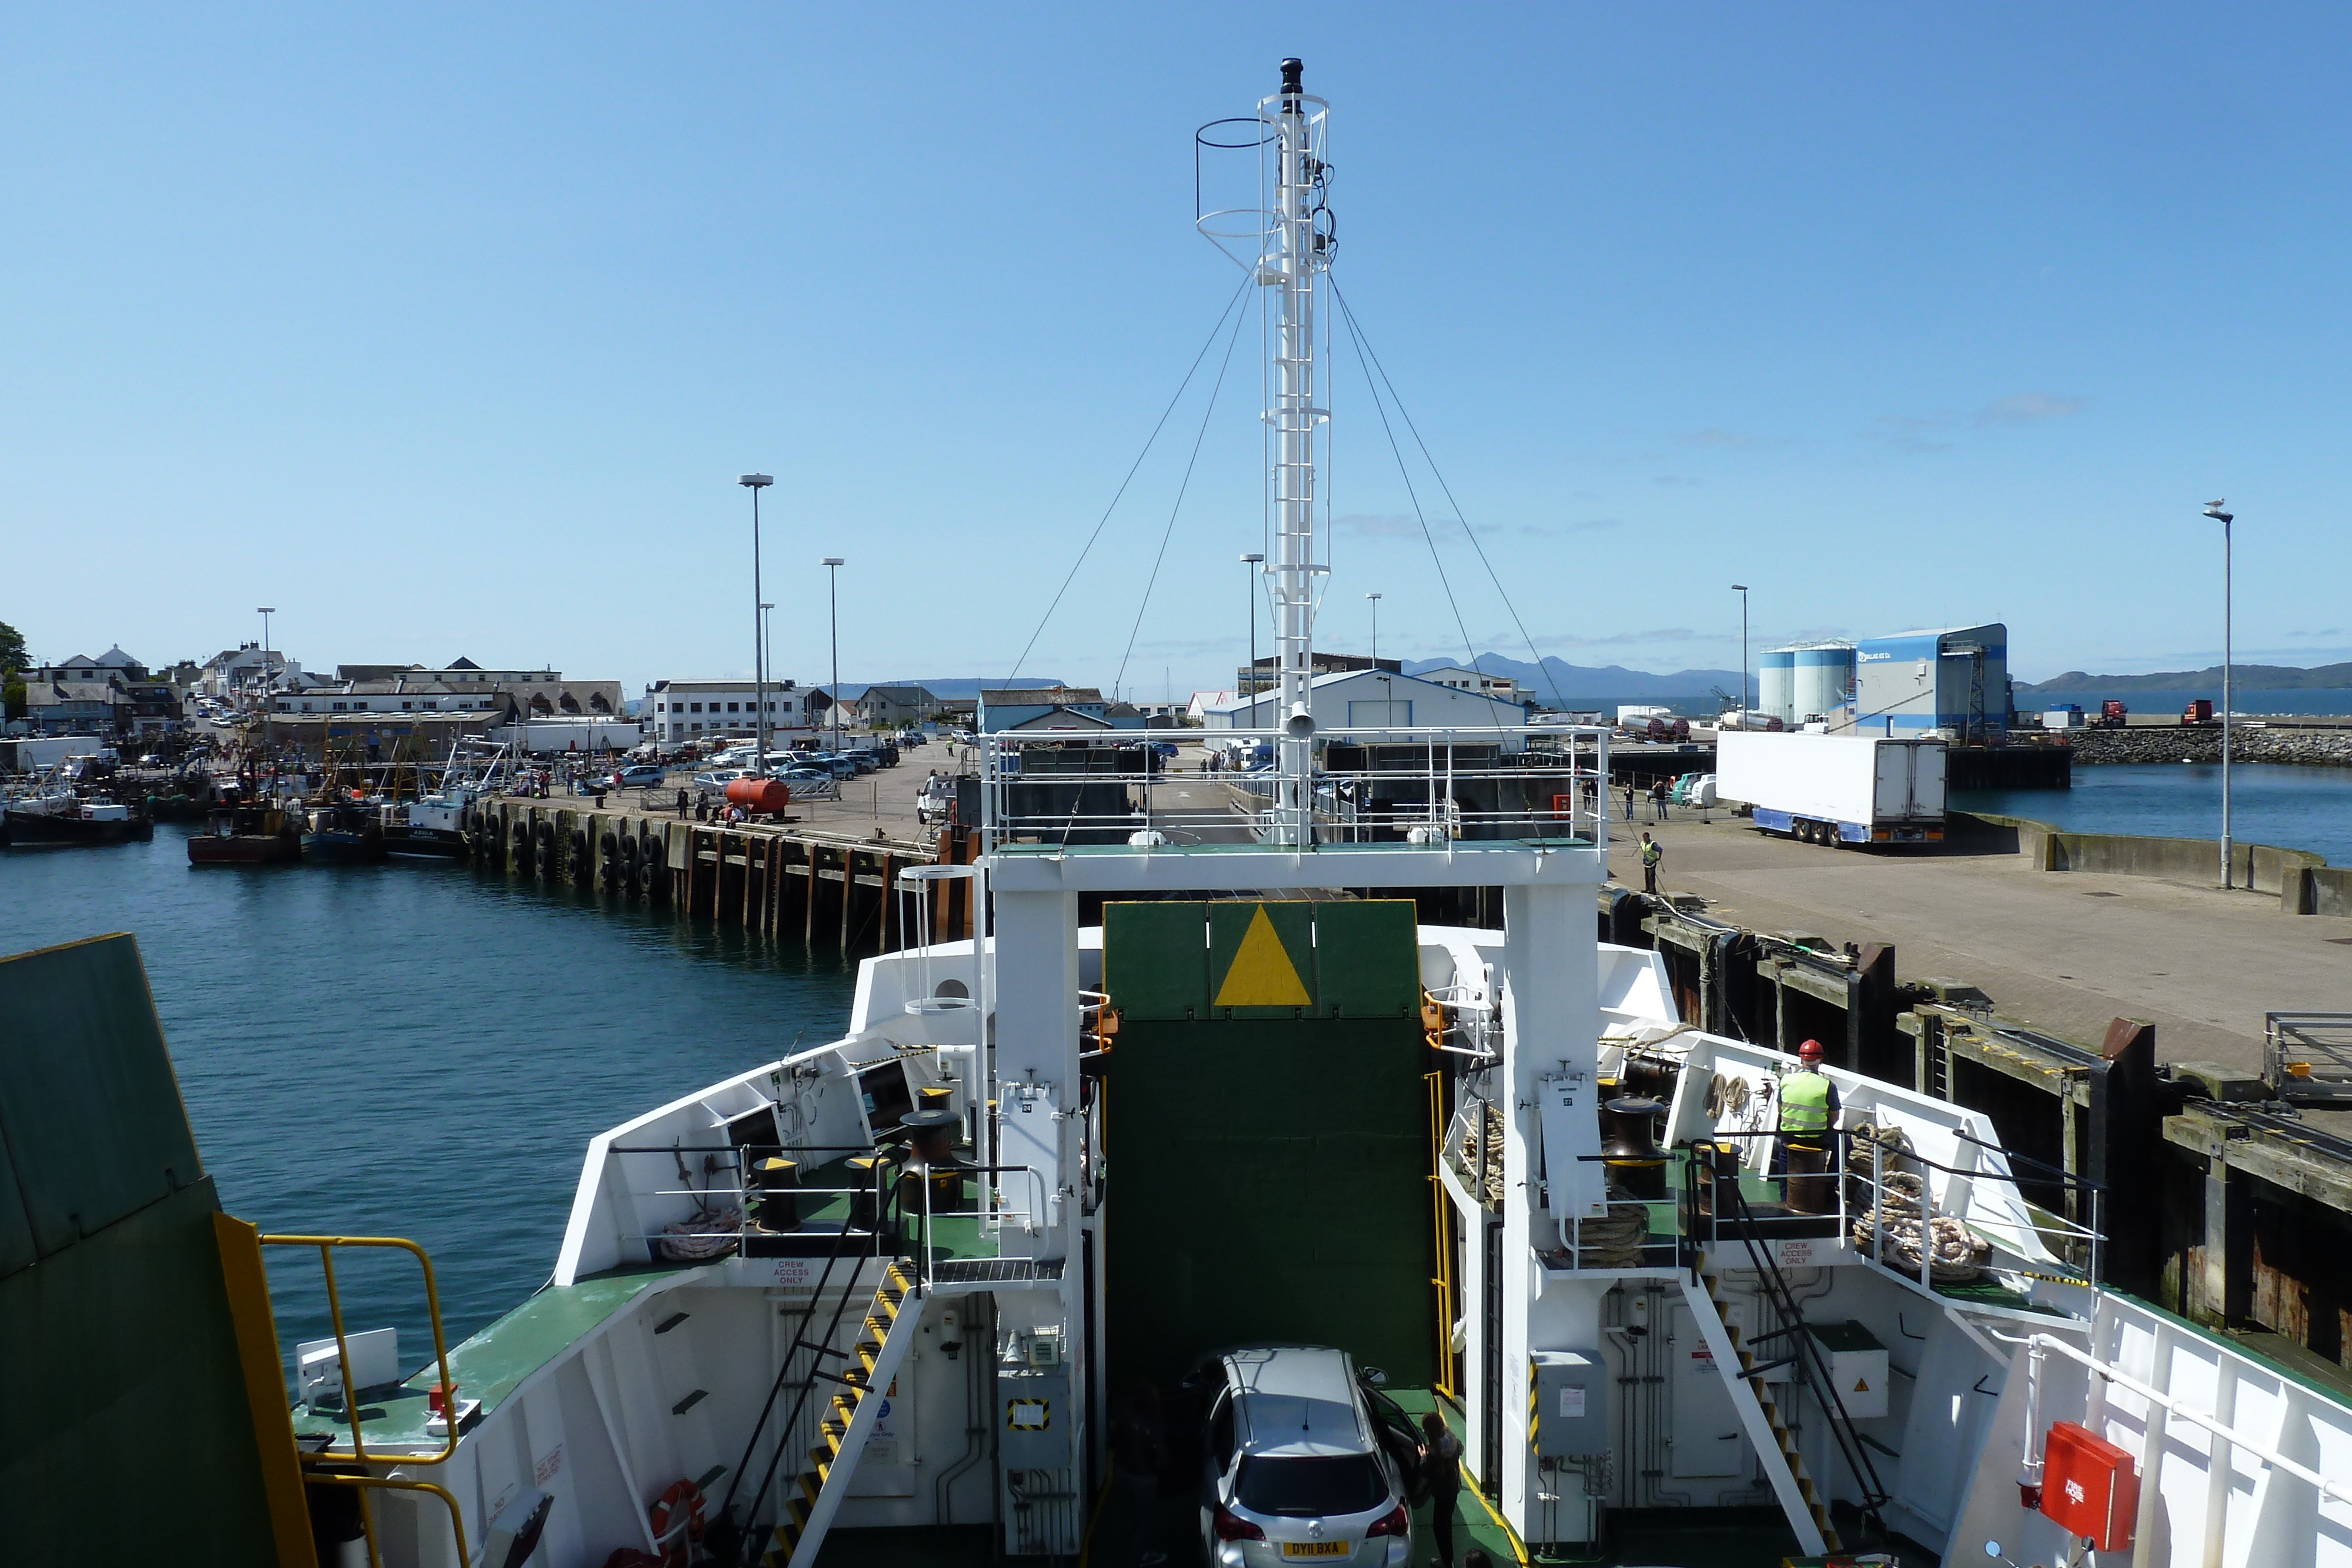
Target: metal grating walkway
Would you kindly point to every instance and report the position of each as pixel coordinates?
(994, 1271)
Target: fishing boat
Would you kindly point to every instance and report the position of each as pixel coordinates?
(74, 821)
(246, 832)
(431, 827)
(436, 825)
(343, 832)
(1203, 1106)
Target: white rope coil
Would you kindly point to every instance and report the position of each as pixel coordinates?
(701, 1235)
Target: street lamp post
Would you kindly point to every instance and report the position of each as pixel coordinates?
(755, 483)
(1252, 560)
(1375, 628)
(1741, 589)
(767, 640)
(2217, 510)
(831, 564)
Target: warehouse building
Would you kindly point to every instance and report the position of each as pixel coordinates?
(1350, 700)
(1955, 680)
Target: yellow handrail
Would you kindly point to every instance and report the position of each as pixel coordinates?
(1439, 1203)
(358, 1450)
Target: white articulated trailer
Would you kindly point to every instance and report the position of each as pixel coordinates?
(1836, 789)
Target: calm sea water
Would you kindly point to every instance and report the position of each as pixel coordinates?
(417, 1049)
(2326, 700)
(2295, 807)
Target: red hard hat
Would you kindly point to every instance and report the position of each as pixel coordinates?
(1809, 1051)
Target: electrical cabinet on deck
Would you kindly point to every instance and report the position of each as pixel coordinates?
(1572, 1402)
(1038, 1443)
(1034, 1429)
(1857, 1368)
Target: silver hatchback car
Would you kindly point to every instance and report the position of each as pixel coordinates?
(1294, 1471)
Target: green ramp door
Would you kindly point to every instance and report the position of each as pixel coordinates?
(1266, 1129)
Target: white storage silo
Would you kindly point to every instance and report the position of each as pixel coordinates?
(1776, 684)
(1820, 679)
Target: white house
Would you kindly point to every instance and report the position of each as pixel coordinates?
(676, 711)
(235, 670)
(1381, 699)
(1465, 680)
(1197, 710)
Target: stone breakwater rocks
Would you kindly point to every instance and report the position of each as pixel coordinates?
(2314, 748)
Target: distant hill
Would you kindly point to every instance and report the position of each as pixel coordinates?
(2243, 677)
(1593, 684)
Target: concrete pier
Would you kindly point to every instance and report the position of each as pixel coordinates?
(815, 883)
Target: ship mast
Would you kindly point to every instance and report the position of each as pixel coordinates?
(1295, 251)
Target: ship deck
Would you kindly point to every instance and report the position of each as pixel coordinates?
(1714, 1538)
(488, 1366)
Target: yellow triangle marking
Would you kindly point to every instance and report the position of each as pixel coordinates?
(1862, 1385)
(1262, 974)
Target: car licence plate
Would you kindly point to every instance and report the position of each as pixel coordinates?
(1317, 1548)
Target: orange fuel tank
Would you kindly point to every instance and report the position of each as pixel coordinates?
(769, 795)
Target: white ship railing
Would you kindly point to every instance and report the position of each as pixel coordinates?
(1418, 788)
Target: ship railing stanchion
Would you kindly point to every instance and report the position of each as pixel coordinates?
(1926, 1234)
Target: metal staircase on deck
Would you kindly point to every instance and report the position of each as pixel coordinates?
(855, 1406)
(1759, 1413)
(1760, 1408)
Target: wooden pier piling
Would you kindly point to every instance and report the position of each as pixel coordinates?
(776, 878)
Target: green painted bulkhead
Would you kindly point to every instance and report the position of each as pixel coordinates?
(1266, 1136)
(140, 1419)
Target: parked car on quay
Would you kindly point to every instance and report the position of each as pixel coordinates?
(809, 783)
(713, 784)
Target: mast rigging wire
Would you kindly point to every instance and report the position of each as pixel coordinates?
(1355, 337)
(1363, 347)
(1186, 484)
(1206, 344)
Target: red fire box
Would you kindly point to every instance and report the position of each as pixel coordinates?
(2089, 1486)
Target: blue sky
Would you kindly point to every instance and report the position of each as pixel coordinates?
(446, 329)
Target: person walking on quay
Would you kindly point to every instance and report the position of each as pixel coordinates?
(1650, 853)
(1441, 1475)
(1628, 799)
(1658, 798)
(682, 804)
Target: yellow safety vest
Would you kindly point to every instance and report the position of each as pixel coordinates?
(1650, 852)
(1804, 1103)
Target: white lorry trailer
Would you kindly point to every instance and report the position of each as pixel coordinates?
(1836, 789)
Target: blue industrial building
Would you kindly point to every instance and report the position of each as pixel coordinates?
(1953, 680)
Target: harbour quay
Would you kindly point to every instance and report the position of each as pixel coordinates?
(829, 882)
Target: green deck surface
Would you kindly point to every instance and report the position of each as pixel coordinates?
(492, 1364)
(955, 1233)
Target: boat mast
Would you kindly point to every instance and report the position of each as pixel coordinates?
(1294, 252)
